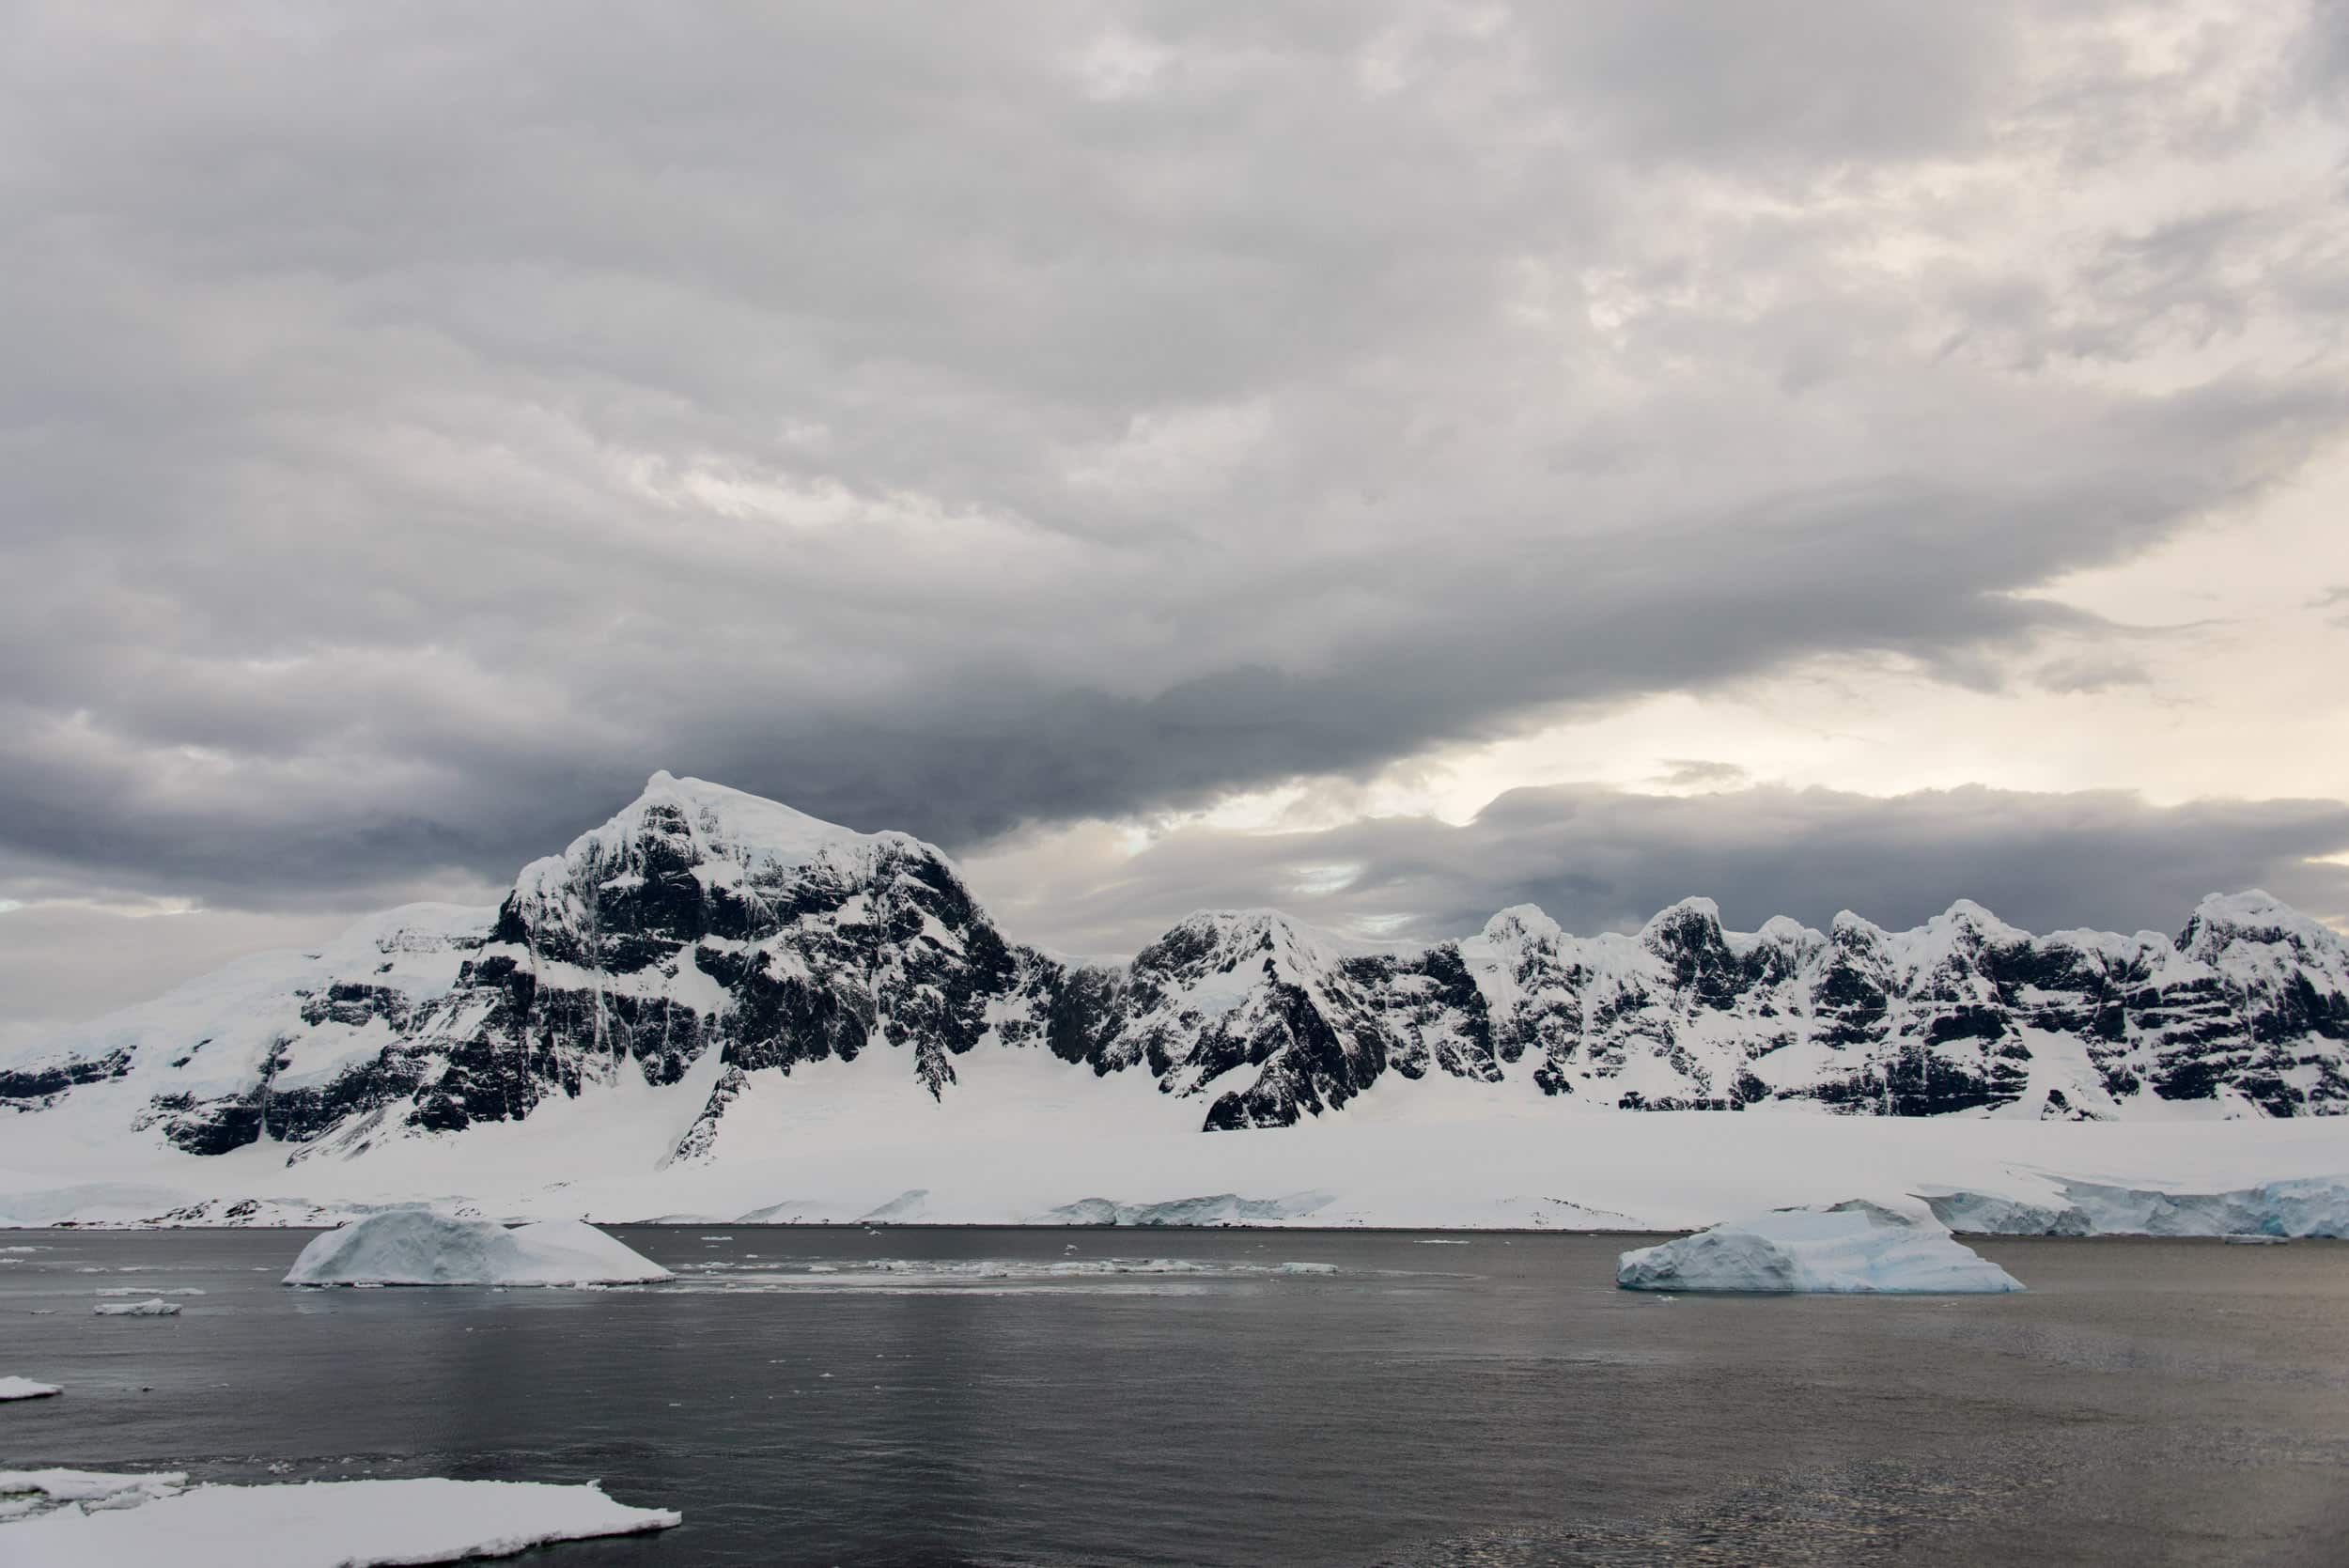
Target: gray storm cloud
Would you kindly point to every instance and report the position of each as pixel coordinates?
(1599, 859)
(420, 424)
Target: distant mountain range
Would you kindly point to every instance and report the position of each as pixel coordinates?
(703, 938)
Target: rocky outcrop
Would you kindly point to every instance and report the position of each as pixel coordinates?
(704, 940)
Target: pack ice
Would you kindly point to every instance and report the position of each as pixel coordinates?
(417, 1246)
(1854, 1248)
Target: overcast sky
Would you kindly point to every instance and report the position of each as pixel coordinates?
(1389, 460)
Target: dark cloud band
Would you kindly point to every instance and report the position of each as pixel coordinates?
(1599, 859)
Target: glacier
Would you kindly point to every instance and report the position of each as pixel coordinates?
(1855, 1248)
(2309, 1206)
(417, 1246)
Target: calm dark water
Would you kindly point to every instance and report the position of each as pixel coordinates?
(1494, 1404)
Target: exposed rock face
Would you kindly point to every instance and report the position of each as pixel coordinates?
(704, 937)
(1277, 1021)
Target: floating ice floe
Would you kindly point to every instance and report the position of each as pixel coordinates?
(154, 1306)
(28, 1492)
(986, 1275)
(97, 1520)
(24, 1388)
(1017, 1268)
(417, 1246)
(1856, 1247)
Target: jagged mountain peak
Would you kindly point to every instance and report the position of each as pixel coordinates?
(1685, 913)
(1782, 931)
(689, 860)
(1849, 929)
(1234, 934)
(2253, 915)
(702, 821)
(1688, 927)
(1241, 924)
(1523, 922)
(1968, 914)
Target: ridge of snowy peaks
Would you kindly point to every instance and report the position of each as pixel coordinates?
(1272, 1019)
(700, 927)
(704, 940)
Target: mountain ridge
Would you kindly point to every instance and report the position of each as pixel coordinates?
(704, 936)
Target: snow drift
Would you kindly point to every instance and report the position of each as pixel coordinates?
(417, 1246)
(1855, 1248)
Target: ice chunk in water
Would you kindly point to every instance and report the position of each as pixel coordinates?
(417, 1246)
(1854, 1248)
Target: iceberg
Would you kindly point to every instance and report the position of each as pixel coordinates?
(153, 1307)
(24, 1388)
(1854, 1248)
(98, 1520)
(417, 1246)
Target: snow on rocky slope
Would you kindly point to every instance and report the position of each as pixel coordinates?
(705, 947)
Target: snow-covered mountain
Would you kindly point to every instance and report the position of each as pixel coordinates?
(705, 943)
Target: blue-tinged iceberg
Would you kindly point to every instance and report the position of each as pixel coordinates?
(1855, 1248)
(417, 1246)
